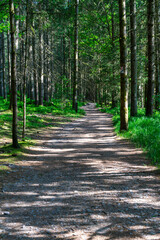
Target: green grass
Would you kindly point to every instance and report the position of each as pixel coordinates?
(8, 155)
(38, 117)
(143, 131)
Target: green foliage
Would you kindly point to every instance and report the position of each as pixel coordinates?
(37, 116)
(8, 156)
(144, 131)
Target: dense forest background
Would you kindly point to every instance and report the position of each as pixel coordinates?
(76, 51)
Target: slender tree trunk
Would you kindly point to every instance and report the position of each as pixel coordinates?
(75, 79)
(9, 69)
(151, 58)
(25, 71)
(133, 58)
(41, 70)
(46, 83)
(1, 66)
(4, 69)
(113, 67)
(157, 53)
(64, 56)
(13, 75)
(70, 69)
(30, 58)
(123, 66)
(35, 71)
(49, 66)
(52, 69)
(64, 65)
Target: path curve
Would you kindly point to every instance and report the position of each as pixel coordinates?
(82, 183)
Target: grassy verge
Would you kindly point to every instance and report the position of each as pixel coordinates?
(143, 131)
(38, 118)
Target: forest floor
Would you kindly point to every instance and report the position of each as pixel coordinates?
(81, 182)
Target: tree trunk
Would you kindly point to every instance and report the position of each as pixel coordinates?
(151, 58)
(75, 79)
(30, 58)
(35, 70)
(25, 71)
(157, 53)
(123, 66)
(46, 87)
(41, 70)
(133, 58)
(113, 61)
(69, 70)
(1, 66)
(9, 70)
(13, 75)
(4, 69)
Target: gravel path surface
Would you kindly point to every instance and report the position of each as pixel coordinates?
(82, 182)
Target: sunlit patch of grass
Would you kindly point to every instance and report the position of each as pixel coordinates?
(144, 131)
(10, 155)
(9, 150)
(38, 117)
(4, 169)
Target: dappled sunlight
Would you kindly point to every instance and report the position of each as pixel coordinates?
(82, 183)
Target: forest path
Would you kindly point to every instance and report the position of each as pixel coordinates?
(81, 182)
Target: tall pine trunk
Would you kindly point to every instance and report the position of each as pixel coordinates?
(75, 79)
(151, 58)
(41, 69)
(4, 69)
(13, 74)
(123, 66)
(113, 61)
(157, 53)
(133, 58)
(25, 71)
(9, 69)
(35, 69)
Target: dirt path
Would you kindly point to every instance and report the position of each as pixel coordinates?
(82, 183)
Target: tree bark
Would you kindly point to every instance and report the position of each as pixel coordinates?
(46, 72)
(35, 70)
(75, 79)
(13, 75)
(123, 66)
(133, 58)
(113, 67)
(9, 69)
(4, 69)
(69, 70)
(25, 71)
(41, 70)
(1, 66)
(151, 58)
(157, 53)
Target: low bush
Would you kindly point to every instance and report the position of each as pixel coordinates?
(144, 131)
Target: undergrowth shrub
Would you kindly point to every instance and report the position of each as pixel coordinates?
(143, 131)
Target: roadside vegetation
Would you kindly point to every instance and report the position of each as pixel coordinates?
(39, 118)
(143, 131)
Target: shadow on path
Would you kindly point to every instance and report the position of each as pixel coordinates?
(82, 183)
